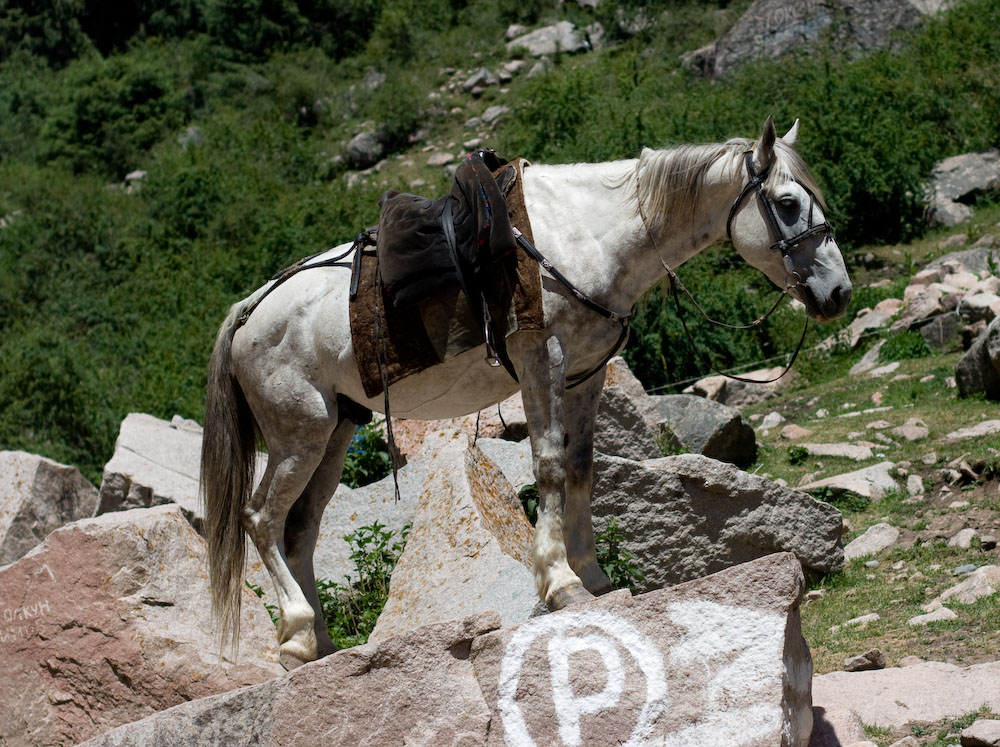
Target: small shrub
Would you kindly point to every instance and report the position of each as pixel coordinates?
(368, 459)
(529, 501)
(904, 346)
(797, 455)
(617, 562)
(352, 609)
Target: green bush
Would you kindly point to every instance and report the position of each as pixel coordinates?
(368, 459)
(617, 562)
(904, 346)
(352, 609)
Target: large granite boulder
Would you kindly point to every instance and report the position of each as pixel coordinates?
(37, 496)
(957, 181)
(978, 371)
(720, 661)
(686, 516)
(470, 546)
(108, 621)
(627, 423)
(771, 28)
(548, 40)
(156, 462)
(708, 428)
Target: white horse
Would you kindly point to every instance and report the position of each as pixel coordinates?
(612, 229)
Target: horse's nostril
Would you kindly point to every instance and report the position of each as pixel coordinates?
(840, 296)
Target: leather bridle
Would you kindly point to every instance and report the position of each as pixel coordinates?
(784, 245)
(781, 244)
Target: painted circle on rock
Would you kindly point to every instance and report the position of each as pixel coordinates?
(566, 636)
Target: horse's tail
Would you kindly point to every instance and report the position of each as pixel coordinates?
(228, 455)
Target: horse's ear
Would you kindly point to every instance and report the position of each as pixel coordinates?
(765, 146)
(790, 137)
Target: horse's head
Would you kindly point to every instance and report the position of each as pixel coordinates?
(777, 224)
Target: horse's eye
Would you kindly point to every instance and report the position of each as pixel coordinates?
(789, 203)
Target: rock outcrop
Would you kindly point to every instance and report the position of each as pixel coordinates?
(686, 516)
(709, 428)
(717, 661)
(771, 28)
(107, 621)
(37, 496)
(978, 371)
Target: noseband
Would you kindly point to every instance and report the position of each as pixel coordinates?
(783, 245)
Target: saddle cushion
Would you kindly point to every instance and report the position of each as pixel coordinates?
(431, 329)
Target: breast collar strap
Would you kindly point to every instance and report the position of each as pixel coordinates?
(756, 184)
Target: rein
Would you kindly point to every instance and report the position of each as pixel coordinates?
(614, 316)
(754, 184)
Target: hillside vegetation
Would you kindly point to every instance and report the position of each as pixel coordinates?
(237, 109)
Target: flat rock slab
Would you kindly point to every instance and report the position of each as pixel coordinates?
(985, 428)
(470, 546)
(925, 692)
(846, 451)
(686, 516)
(875, 539)
(37, 496)
(873, 482)
(107, 621)
(718, 661)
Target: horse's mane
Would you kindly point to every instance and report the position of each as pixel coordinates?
(671, 181)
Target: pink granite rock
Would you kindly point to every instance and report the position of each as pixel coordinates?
(720, 660)
(38, 495)
(107, 621)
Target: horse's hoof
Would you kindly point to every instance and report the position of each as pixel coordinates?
(290, 661)
(562, 598)
(292, 655)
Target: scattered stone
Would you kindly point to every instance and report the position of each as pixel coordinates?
(493, 113)
(548, 40)
(720, 660)
(851, 336)
(869, 360)
(864, 621)
(875, 539)
(440, 159)
(792, 432)
(914, 486)
(846, 451)
(913, 429)
(910, 741)
(963, 570)
(929, 458)
(982, 582)
(874, 482)
(982, 733)
(979, 430)
(37, 496)
(708, 428)
(740, 393)
(879, 425)
(958, 504)
(772, 420)
(884, 370)
(686, 516)
(941, 614)
(479, 79)
(364, 149)
(873, 659)
(108, 621)
(963, 539)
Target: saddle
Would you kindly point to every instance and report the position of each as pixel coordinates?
(446, 275)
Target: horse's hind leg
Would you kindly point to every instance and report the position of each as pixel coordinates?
(295, 452)
(303, 522)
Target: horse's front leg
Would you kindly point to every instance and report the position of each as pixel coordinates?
(582, 403)
(542, 372)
